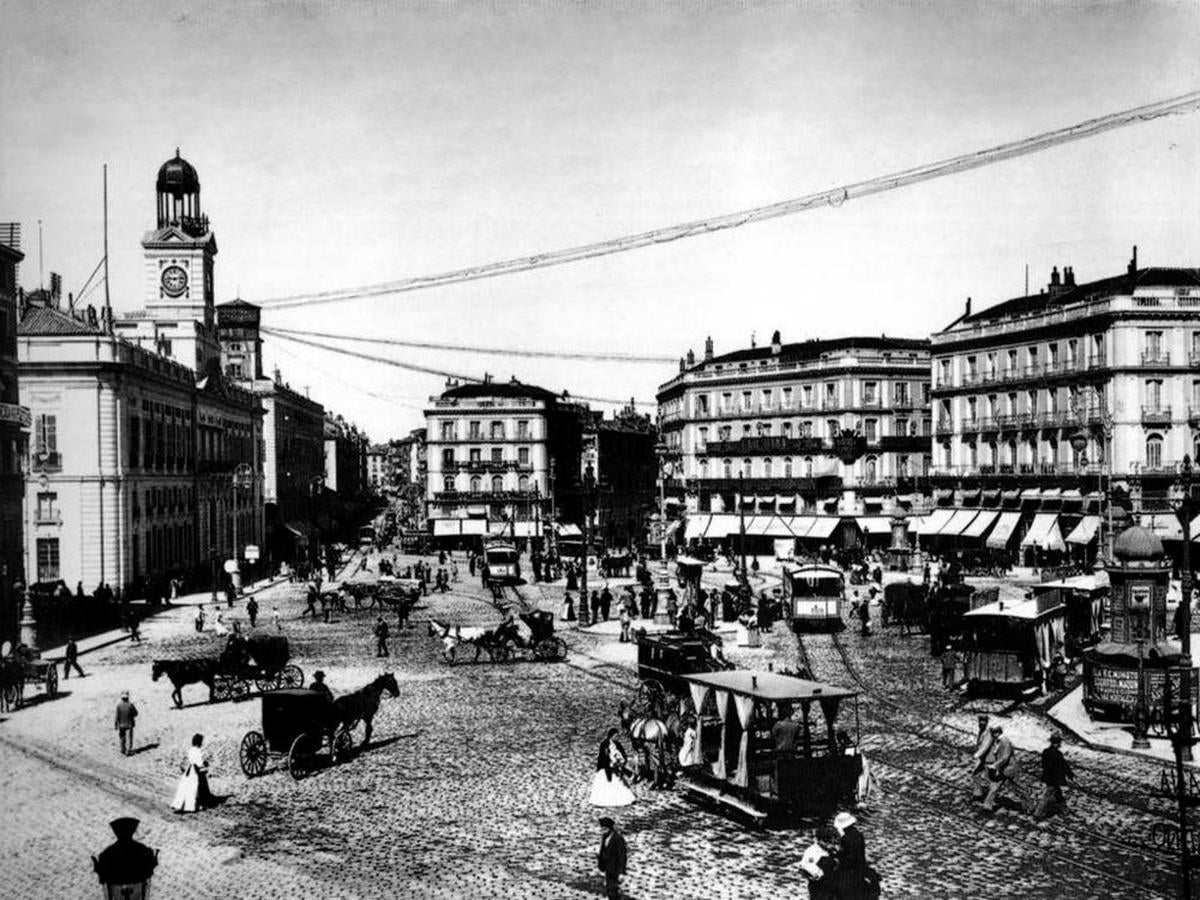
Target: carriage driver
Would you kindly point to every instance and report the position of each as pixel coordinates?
(507, 629)
(319, 686)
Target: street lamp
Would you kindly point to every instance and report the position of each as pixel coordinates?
(243, 477)
(125, 866)
(1086, 400)
(1185, 504)
(589, 485)
(665, 469)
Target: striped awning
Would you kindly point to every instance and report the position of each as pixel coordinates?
(801, 525)
(957, 522)
(823, 527)
(1044, 533)
(874, 524)
(696, 526)
(934, 522)
(980, 524)
(1085, 531)
(721, 525)
(1003, 531)
(446, 527)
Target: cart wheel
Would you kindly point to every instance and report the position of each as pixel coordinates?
(220, 690)
(291, 677)
(52, 681)
(266, 684)
(300, 756)
(501, 652)
(558, 649)
(341, 745)
(239, 689)
(253, 754)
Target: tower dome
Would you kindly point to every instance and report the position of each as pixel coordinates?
(178, 188)
(1136, 544)
(177, 176)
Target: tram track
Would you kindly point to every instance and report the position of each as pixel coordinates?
(947, 797)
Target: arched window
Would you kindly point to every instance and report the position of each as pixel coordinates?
(523, 484)
(448, 483)
(704, 468)
(476, 484)
(747, 467)
(787, 467)
(497, 484)
(727, 468)
(767, 466)
(1154, 451)
(870, 470)
(808, 467)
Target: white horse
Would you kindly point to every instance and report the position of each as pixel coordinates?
(452, 636)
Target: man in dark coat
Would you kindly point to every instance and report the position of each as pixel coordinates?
(71, 659)
(252, 610)
(124, 722)
(1056, 772)
(381, 636)
(605, 603)
(612, 857)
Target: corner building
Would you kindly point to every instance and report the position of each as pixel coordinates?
(838, 425)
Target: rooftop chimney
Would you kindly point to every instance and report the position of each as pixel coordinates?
(968, 312)
(691, 358)
(753, 340)
(1054, 277)
(682, 365)
(1069, 277)
(776, 343)
(1133, 261)
(708, 348)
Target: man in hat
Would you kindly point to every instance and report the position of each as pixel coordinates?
(381, 636)
(851, 854)
(126, 861)
(983, 745)
(612, 857)
(125, 719)
(319, 685)
(1000, 765)
(1056, 772)
(71, 659)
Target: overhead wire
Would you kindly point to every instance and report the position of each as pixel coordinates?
(80, 293)
(833, 197)
(610, 356)
(357, 354)
(345, 381)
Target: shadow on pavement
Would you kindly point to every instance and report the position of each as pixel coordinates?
(144, 748)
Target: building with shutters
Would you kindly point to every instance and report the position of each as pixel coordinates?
(14, 433)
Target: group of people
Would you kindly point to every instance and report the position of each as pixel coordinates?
(994, 772)
(835, 864)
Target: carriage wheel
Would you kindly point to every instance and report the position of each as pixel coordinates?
(52, 681)
(220, 689)
(265, 684)
(239, 689)
(291, 677)
(500, 652)
(253, 754)
(300, 756)
(553, 649)
(341, 745)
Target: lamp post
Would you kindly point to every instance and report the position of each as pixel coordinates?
(1185, 505)
(660, 450)
(589, 484)
(243, 477)
(1083, 402)
(1141, 709)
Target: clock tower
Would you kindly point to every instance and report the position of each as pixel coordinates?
(179, 256)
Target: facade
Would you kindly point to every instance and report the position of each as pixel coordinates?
(136, 432)
(1073, 389)
(503, 458)
(14, 430)
(345, 458)
(379, 468)
(828, 425)
(293, 435)
(621, 451)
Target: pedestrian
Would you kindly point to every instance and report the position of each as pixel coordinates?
(609, 787)
(198, 621)
(1056, 772)
(381, 636)
(852, 874)
(1000, 766)
(864, 616)
(568, 610)
(613, 857)
(820, 866)
(135, 630)
(275, 618)
(605, 603)
(230, 594)
(471, 564)
(595, 606)
(983, 746)
(193, 794)
(125, 719)
(71, 659)
(949, 662)
(252, 610)
(626, 621)
(311, 596)
(453, 570)
(403, 607)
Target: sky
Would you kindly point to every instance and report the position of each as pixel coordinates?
(341, 144)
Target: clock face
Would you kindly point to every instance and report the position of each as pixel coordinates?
(174, 281)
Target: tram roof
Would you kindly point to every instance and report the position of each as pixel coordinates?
(1022, 609)
(769, 685)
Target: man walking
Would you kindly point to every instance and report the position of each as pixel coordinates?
(125, 719)
(1056, 772)
(381, 636)
(312, 595)
(612, 857)
(999, 766)
(252, 610)
(71, 659)
(949, 663)
(983, 746)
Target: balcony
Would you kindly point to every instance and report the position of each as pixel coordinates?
(47, 462)
(1097, 361)
(1194, 359)
(12, 414)
(47, 517)
(1194, 416)
(944, 428)
(1155, 358)
(759, 445)
(1156, 415)
(481, 496)
(487, 465)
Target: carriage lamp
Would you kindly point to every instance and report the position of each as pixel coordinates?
(126, 866)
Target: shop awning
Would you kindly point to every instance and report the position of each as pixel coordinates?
(991, 498)
(776, 527)
(980, 524)
(1031, 494)
(527, 529)
(474, 526)
(696, 526)
(766, 503)
(1003, 531)
(788, 502)
(756, 526)
(1085, 531)
(1044, 533)
(823, 527)
(565, 529)
(958, 522)
(875, 524)
(1165, 525)
(721, 525)
(934, 522)
(801, 525)
(446, 527)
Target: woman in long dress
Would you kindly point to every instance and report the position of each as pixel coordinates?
(608, 784)
(193, 793)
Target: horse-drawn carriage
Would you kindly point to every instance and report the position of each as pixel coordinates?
(299, 723)
(665, 659)
(387, 592)
(19, 668)
(505, 642)
(261, 660)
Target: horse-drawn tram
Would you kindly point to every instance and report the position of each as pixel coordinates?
(815, 596)
(748, 765)
(665, 658)
(1010, 646)
(503, 563)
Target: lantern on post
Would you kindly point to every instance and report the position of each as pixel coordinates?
(126, 866)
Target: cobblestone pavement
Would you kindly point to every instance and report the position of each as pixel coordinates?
(476, 782)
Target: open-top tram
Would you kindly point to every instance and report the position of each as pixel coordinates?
(1010, 646)
(815, 597)
(746, 765)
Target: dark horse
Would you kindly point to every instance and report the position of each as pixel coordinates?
(361, 705)
(182, 672)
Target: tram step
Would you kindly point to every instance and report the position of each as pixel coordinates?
(720, 796)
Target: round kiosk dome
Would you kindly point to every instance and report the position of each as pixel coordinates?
(178, 176)
(1138, 545)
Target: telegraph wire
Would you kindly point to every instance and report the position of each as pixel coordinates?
(357, 354)
(489, 351)
(346, 382)
(834, 197)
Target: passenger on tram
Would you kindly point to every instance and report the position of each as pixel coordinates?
(785, 733)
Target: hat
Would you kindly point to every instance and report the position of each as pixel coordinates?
(318, 675)
(843, 820)
(124, 695)
(996, 729)
(1056, 738)
(124, 827)
(606, 822)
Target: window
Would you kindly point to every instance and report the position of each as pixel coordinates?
(497, 484)
(1012, 405)
(901, 426)
(1052, 357)
(831, 428)
(1032, 401)
(727, 401)
(787, 467)
(972, 368)
(448, 484)
(787, 398)
(766, 398)
(702, 404)
(1154, 452)
(523, 456)
(523, 484)
(474, 430)
(727, 468)
(943, 371)
(47, 507)
(925, 393)
(448, 458)
(1154, 394)
(475, 455)
(47, 559)
(497, 431)
(704, 468)
(902, 465)
(808, 467)
(900, 394)
(807, 396)
(972, 409)
(768, 464)
(806, 428)
(1097, 349)
(870, 393)
(1010, 363)
(1072, 353)
(747, 467)
(973, 455)
(764, 429)
(747, 400)
(522, 429)
(746, 429)
(991, 365)
(830, 395)
(871, 430)
(726, 432)
(1032, 353)
(787, 429)
(476, 484)
(45, 437)
(447, 431)
(1195, 354)
(870, 470)
(1154, 346)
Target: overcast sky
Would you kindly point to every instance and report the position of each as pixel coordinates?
(341, 144)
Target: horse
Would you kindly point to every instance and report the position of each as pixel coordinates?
(452, 636)
(12, 683)
(183, 672)
(361, 705)
(649, 737)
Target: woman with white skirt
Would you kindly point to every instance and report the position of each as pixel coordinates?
(609, 788)
(193, 793)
